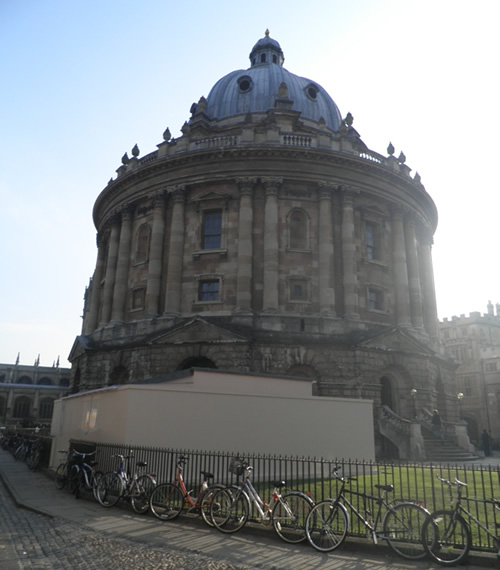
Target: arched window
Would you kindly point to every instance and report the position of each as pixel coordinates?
(45, 409)
(118, 376)
(386, 392)
(142, 243)
(22, 407)
(24, 380)
(298, 230)
(45, 381)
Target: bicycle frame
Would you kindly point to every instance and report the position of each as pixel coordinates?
(255, 499)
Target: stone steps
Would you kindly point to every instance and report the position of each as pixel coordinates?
(445, 451)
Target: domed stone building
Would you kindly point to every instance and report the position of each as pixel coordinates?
(268, 239)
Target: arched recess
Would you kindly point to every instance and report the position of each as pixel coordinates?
(24, 380)
(387, 392)
(395, 386)
(302, 371)
(45, 381)
(298, 229)
(196, 362)
(119, 375)
(142, 240)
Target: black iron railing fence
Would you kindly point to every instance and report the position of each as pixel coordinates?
(417, 482)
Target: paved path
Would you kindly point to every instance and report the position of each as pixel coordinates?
(42, 528)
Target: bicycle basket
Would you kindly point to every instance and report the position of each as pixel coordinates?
(236, 466)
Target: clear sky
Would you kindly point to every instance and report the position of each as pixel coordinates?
(83, 81)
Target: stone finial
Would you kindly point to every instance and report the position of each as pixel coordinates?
(166, 135)
(349, 119)
(185, 129)
(135, 151)
(417, 177)
(401, 158)
(125, 159)
(283, 90)
(390, 149)
(267, 32)
(202, 104)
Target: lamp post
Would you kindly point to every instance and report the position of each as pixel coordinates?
(413, 393)
(460, 397)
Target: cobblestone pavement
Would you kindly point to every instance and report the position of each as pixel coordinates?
(32, 541)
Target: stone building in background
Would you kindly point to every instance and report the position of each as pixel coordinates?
(268, 239)
(473, 344)
(28, 393)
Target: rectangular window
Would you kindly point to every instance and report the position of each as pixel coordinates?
(375, 300)
(212, 229)
(208, 290)
(370, 240)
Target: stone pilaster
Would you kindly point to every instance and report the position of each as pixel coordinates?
(325, 250)
(109, 280)
(156, 257)
(245, 247)
(122, 267)
(429, 291)
(271, 244)
(413, 274)
(175, 254)
(350, 278)
(400, 269)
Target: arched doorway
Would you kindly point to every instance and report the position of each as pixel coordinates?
(386, 392)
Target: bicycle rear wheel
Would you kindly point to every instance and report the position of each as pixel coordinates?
(327, 525)
(140, 498)
(446, 537)
(73, 479)
(109, 489)
(402, 529)
(61, 478)
(289, 516)
(166, 502)
(229, 510)
(206, 503)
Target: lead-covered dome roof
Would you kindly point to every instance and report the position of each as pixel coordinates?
(256, 89)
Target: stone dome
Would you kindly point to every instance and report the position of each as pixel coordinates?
(256, 89)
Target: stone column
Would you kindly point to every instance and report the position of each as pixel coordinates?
(429, 291)
(400, 269)
(245, 247)
(95, 293)
(271, 252)
(155, 257)
(413, 273)
(350, 277)
(175, 255)
(109, 280)
(325, 251)
(122, 267)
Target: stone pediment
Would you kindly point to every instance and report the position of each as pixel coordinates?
(79, 348)
(212, 195)
(197, 330)
(397, 339)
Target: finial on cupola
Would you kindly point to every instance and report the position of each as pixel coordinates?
(267, 32)
(390, 149)
(401, 157)
(135, 151)
(167, 135)
(125, 159)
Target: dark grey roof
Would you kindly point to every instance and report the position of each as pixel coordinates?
(256, 89)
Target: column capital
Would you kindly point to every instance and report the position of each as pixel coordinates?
(348, 193)
(271, 184)
(246, 185)
(326, 189)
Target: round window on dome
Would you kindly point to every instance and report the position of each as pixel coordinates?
(312, 91)
(245, 84)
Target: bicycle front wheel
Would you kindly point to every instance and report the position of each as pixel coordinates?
(402, 529)
(109, 489)
(229, 510)
(61, 477)
(142, 493)
(446, 537)
(166, 502)
(327, 525)
(73, 475)
(289, 516)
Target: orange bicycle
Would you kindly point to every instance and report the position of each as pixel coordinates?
(168, 500)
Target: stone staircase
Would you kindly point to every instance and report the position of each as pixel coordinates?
(446, 452)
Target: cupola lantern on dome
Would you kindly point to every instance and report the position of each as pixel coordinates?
(266, 51)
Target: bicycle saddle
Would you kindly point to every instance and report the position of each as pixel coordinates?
(388, 488)
(278, 484)
(141, 464)
(207, 475)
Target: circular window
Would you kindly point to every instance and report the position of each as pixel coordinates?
(245, 84)
(312, 91)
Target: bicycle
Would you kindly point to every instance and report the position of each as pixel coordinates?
(230, 508)
(35, 454)
(446, 535)
(328, 522)
(62, 471)
(121, 484)
(83, 475)
(168, 500)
